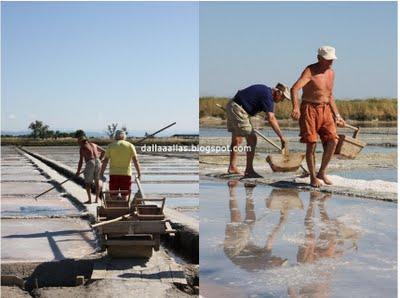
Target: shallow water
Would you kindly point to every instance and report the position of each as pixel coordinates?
(369, 174)
(266, 242)
(379, 140)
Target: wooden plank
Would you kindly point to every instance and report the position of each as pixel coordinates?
(130, 242)
(12, 280)
(168, 229)
(178, 276)
(137, 251)
(112, 212)
(150, 216)
(99, 270)
(134, 227)
(165, 273)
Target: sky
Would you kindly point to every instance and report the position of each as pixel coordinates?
(84, 65)
(254, 42)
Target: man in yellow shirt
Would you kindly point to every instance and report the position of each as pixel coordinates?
(120, 154)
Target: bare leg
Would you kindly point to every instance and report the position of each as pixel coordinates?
(310, 158)
(252, 142)
(233, 204)
(329, 149)
(88, 190)
(236, 141)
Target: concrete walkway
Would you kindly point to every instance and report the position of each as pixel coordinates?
(38, 231)
(53, 229)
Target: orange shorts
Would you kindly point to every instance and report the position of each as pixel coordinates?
(316, 119)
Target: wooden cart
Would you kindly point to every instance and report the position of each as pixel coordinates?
(131, 227)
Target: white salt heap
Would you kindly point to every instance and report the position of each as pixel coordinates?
(358, 184)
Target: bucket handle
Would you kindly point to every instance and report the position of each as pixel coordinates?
(356, 130)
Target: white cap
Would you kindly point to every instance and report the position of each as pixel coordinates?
(327, 52)
(284, 89)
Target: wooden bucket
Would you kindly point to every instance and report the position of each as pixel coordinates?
(349, 147)
(285, 162)
(287, 199)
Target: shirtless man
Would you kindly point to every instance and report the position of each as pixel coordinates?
(318, 114)
(92, 154)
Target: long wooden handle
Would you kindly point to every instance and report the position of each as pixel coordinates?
(267, 139)
(153, 134)
(39, 195)
(139, 187)
(352, 127)
(257, 132)
(110, 221)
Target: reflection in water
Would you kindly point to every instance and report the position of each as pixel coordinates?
(323, 238)
(330, 243)
(238, 245)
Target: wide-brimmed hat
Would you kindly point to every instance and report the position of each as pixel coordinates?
(327, 52)
(284, 89)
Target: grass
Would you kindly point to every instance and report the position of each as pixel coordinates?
(372, 109)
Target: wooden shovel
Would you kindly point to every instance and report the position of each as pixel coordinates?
(284, 162)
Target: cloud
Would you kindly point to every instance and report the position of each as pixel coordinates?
(11, 116)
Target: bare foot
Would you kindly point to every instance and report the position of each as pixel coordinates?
(252, 175)
(87, 202)
(325, 178)
(234, 171)
(315, 182)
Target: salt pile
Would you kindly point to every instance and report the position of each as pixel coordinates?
(359, 184)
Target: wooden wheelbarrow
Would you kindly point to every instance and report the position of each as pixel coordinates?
(284, 162)
(349, 147)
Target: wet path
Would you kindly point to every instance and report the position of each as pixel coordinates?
(170, 177)
(259, 241)
(45, 230)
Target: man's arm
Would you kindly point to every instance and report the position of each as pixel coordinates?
(300, 83)
(103, 166)
(137, 166)
(338, 119)
(102, 152)
(78, 171)
(270, 117)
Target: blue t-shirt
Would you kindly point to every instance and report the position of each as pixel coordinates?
(255, 99)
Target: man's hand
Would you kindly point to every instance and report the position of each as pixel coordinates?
(102, 177)
(340, 122)
(296, 114)
(284, 143)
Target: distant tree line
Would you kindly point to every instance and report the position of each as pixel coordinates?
(41, 130)
(382, 109)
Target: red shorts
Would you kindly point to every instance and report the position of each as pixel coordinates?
(316, 119)
(120, 182)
